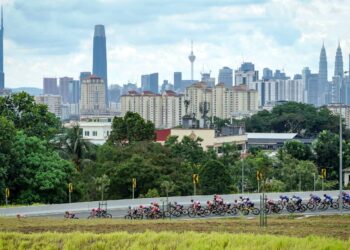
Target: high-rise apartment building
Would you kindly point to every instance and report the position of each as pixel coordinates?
(84, 75)
(93, 96)
(64, 88)
(99, 67)
(50, 86)
(165, 110)
(226, 76)
(53, 103)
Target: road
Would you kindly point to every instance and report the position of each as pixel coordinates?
(118, 208)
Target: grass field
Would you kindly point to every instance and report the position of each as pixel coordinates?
(323, 226)
(164, 240)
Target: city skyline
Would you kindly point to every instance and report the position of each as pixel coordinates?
(160, 41)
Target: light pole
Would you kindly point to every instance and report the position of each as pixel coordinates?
(314, 181)
(341, 151)
(242, 177)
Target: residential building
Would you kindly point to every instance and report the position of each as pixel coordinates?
(84, 75)
(53, 102)
(92, 96)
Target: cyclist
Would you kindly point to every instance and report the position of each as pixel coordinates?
(284, 198)
(218, 200)
(196, 204)
(315, 198)
(328, 199)
(297, 200)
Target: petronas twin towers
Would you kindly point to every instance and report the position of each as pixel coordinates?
(329, 92)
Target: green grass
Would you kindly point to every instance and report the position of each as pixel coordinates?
(165, 240)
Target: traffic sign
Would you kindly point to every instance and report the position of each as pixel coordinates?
(70, 187)
(323, 173)
(7, 192)
(134, 182)
(195, 178)
(259, 175)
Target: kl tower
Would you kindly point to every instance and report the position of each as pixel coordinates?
(192, 58)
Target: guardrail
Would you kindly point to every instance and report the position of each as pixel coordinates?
(122, 204)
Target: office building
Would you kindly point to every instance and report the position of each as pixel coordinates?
(115, 91)
(73, 91)
(150, 82)
(99, 67)
(247, 75)
(267, 74)
(177, 81)
(50, 86)
(64, 88)
(226, 76)
(323, 77)
(210, 81)
(339, 67)
(93, 96)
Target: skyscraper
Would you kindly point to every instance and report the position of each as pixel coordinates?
(323, 77)
(50, 86)
(2, 75)
(73, 92)
(267, 74)
(177, 81)
(226, 76)
(99, 66)
(64, 88)
(153, 82)
(339, 69)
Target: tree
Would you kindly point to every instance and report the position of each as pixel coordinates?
(37, 174)
(34, 119)
(131, 128)
(215, 177)
(7, 137)
(74, 147)
(327, 153)
(102, 183)
(298, 150)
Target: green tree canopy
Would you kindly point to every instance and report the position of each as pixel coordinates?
(215, 177)
(131, 128)
(34, 119)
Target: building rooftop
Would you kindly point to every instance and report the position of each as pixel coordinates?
(281, 136)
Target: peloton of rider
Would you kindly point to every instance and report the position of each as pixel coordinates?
(218, 200)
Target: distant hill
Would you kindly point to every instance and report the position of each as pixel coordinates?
(31, 91)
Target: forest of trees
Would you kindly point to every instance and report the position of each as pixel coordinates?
(38, 157)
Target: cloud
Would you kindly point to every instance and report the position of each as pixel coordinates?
(54, 38)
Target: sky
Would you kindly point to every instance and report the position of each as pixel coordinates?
(45, 38)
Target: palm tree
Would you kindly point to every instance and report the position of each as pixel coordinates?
(74, 147)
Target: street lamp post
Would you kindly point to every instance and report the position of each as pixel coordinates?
(314, 181)
(242, 177)
(341, 151)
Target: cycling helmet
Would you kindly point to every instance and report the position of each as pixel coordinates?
(191, 200)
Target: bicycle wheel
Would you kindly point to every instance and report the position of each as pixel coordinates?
(191, 212)
(245, 211)
(290, 208)
(311, 206)
(108, 216)
(302, 208)
(255, 211)
(335, 205)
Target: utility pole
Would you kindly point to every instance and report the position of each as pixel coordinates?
(242, 177)
(299, 181)
(314, 181)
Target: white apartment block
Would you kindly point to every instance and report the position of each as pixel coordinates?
(281, 90)
(198, 94)
(92, 96)
(53, 102)
(165, 110)
(337, 108)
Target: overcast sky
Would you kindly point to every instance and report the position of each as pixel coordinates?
(54, 37)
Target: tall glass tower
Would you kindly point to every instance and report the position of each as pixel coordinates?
(339, 69)
(323, 77)
(2, 75)
(99, 64)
